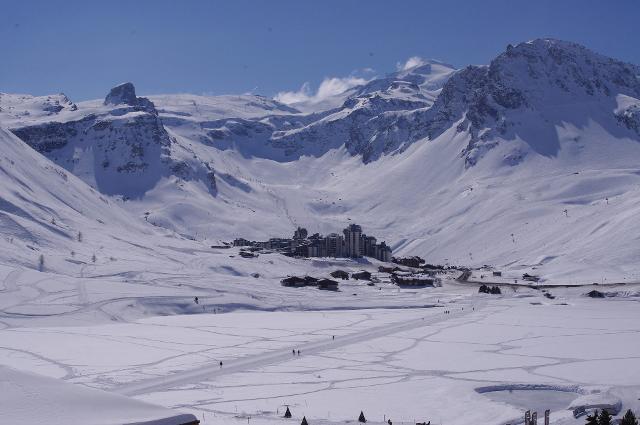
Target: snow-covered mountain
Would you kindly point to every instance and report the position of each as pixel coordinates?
(365, 122)
(53, 221)
(528, 162)
(118, 146)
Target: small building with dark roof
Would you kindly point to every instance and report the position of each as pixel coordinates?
(328, 285)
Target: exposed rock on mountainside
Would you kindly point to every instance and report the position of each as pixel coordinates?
(526, 161)
(529, 90)
(371, 122)
(120, 148)
(522, 95)
(125, 93)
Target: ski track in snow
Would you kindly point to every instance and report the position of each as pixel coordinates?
(384, 369)
(213, 371)
(455, 353)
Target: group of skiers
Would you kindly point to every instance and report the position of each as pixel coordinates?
(297, 352)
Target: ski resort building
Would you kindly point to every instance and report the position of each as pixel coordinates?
(353, 243)
(352, 238)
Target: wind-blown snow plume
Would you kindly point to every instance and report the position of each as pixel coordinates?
(329, 89)
(412, 62)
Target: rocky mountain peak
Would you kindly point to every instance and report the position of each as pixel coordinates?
(122, 93)
(539, 84)
(125, 94)
(544, 67)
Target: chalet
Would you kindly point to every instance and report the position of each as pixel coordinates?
(485, 289)
(363, 275)
(340, 274)
(408, 261)
(413, 279)
(241, 242)
(328, 285)
(299, 282)
(293, 281)
(385, 269)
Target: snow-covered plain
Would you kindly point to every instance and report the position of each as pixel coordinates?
(403, 364)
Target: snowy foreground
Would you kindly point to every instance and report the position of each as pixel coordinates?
(407, 364)
(33, 399)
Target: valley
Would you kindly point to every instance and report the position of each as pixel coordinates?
(146, 258)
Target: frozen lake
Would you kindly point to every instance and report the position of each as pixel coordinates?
(410, 365)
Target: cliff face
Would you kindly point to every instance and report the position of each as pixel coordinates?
(528, 91)
(120, 147)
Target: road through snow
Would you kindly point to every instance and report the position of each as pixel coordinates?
(252, 362)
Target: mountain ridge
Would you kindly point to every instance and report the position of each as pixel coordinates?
(437, 161)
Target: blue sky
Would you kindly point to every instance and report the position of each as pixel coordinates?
(83, 48)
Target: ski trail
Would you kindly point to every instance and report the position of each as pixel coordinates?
(279, 201)
(282, 355)
(10, 281)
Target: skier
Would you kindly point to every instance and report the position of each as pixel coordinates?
(294, 352)
(298, 352)
(220, 364)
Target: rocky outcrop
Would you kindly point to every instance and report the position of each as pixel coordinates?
(538, 80)
(125, 94)
(523, 94)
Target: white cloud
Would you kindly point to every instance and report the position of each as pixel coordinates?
(329, 88)
(289, 97)
(412, 62)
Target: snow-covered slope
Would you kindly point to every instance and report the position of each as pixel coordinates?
(368, 122)
(45, 210)
(34, 398)
(531, 91)
(526, 163)
(118, 146)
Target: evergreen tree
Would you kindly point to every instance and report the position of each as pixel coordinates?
(304, 421)
(629, 418)
(592, 419)
(605, 418)
(287, 414)
(361, 418)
